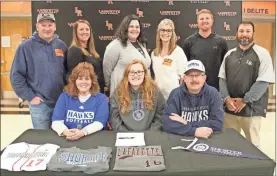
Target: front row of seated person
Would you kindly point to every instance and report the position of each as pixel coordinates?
(193, 109)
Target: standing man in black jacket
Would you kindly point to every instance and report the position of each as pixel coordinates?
(206, 46)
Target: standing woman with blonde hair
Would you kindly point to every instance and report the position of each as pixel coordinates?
(137, 104)
(168, 58)
(82, 49)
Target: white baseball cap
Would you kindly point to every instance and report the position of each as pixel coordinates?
(194, 65)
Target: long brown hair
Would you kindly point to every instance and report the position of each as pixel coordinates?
(90, 44)
(148, 89)
(173, 39)
(82, 69)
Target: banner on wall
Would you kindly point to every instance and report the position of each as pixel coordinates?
(105, 16)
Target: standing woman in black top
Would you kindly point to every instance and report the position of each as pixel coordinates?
(82, 49)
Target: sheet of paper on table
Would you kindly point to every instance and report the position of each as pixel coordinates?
(129, 139)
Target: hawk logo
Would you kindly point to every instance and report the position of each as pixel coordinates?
(110, 1)
(109, 25)
(227, 26)
(249, 62)
(78, 12)
(227, 3)
(170, 2)
(139, 13)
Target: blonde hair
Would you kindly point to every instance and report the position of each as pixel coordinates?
(148, 89)
(173, 39)
(205, 11)
(90, 44)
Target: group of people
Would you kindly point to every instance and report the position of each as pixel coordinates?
(179, 90)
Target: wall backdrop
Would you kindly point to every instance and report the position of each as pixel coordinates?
(105, 16)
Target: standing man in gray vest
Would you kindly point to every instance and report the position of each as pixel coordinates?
(244, 76)
(37, 73)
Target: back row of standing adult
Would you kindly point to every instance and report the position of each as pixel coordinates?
(207, 46)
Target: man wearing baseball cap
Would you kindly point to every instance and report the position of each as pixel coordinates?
(37, 73)
(194, 108)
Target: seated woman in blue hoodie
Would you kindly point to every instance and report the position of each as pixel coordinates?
(137, 104)
(81, 110)
(194, 108)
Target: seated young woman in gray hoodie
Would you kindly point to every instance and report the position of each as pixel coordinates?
(137, 104)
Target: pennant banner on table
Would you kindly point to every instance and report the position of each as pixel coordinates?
(200, 147)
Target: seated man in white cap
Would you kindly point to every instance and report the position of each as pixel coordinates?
(194, 108)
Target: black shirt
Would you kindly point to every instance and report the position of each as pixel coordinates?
(75, 56)
(210, 51)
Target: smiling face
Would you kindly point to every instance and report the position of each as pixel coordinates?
(205, 22)
(245, 34)
(165, 33)
(194, 81)
(83, 32)
(133, 30)
(83, 84)
(136, 75)
(46, 29)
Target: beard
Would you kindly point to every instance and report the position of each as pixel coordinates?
(245, 41)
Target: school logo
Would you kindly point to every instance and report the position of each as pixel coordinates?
(248, 62)
(229, 37)
(138, 115)
(227, 26)
(70, 24)
(201, 147)
(106, 37)
(193, 26)
(53, 11)
(170, 12)
(139, 13)
(78, 12)
(199, 2)
(109, 25)
(227, 3)
(146, 25)
(227, 13)
(109, 12)
(170, 2)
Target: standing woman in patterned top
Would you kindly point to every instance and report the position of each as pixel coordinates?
(129, 45)
(82, 49)
(168, 58)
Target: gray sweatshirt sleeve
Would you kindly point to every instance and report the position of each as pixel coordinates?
(157, 120)
(111, 57)
(115, 119)
(256, 91)
(223, 89)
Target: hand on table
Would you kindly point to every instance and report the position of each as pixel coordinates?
(203, 132)
(73, 134)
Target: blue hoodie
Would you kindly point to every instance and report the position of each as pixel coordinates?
(38, 69)
(200, 110)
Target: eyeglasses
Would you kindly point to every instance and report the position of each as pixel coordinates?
(133, 73)
(191, 76)
(166, 30)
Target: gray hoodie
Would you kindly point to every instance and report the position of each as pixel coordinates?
(139, 118)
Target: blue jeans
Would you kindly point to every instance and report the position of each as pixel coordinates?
(41, 115)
